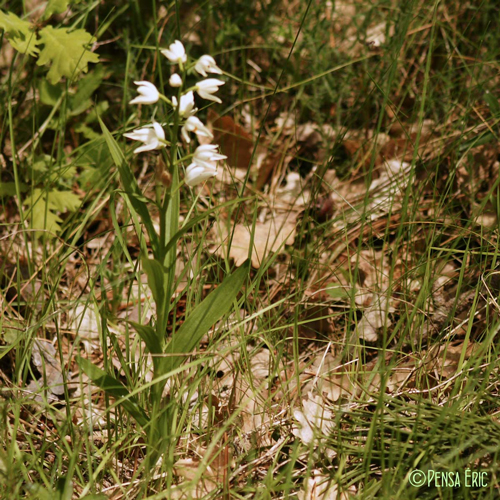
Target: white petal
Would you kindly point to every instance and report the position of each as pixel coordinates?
(160, 133)
(209, 97)
(196, 174)
(185, 134)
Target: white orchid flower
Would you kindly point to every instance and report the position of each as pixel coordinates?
(175, 80)
(186, 107)
(152, 137)
(175, 53)
(196, 174)
(195, 125)
(204, 164)
(206, 89)
(206, 64)
(148, 93)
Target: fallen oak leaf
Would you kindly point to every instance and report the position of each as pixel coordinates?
(269, 237)
(234, 142)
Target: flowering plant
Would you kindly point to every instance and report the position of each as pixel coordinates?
(168, 353)
(183, 106)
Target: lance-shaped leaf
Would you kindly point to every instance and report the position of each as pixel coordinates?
(130, 186)
(153, 343)
(148, 334)
(114, 388)
(156, 280)
(203, 317)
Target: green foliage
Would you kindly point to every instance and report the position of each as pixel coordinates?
(93, 157)
(43, 206)
(204, 316)
(19, 32)
(132, 190)
(65, 52)
(49, 94)
(55, 7)
(156, 273)
(9, 188)
(200, 320)
(81, 101)
(114, 388)
(43, 169)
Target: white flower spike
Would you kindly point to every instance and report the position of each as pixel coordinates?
(206, 89)
(175, 80)
(175, 53)
(186, 107)
(148, 93)
(206, 64)
(204, 164)
(152, 137)
(195, 125)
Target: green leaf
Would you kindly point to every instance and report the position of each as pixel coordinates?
(130, 186)
(148, 334)
(10, 331)
(86, 87)
(172, 228)
(94, 153)
(64, 488)
(19, 33)
(65, 52)
(49, 94)
(55, 7)
(153, 343)
(339, 292)
(40, 216)
(9, 189)
(98, 110)
(203, 317)
(114, 388)
(87, 132)
(43, 205)
(492, 103)
(156, 272)
(63, 201)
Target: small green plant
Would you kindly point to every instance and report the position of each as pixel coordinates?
(168, 354)
(65, 51)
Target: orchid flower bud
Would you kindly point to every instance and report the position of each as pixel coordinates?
(175, 80)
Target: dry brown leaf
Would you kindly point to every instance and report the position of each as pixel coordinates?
(233, 140)
(374, 318)
(316, 322)
(269, 237)
(446, 363)
(314, 420)
(188, 469)
(45, 358)
(321, 487)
